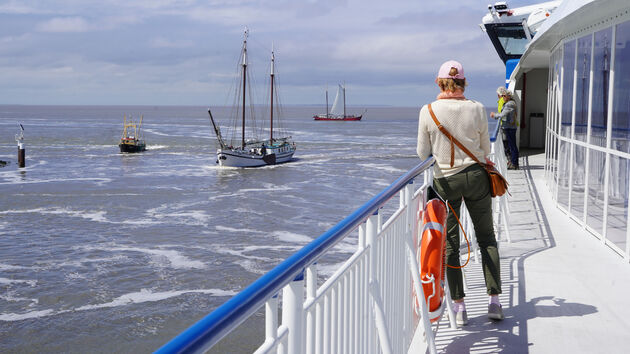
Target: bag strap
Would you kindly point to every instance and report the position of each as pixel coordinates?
(453, 140)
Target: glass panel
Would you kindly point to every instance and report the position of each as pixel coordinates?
(619, 167)
(618, 201)
(568, 65)
(595, 205)
(512, 38)
(601, 77)
(563, 163)
(555, 113)
(583, 70)
(577, 187)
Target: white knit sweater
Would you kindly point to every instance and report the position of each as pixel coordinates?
(466, 121)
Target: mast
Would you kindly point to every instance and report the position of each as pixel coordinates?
(327, 116)
(271, 102)
(124, 134)
(244, 85)
(344, 100)
(138, 128)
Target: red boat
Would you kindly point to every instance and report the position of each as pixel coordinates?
(331, 117)
(338, 110)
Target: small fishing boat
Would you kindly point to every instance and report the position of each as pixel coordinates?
(338, 110)
(131, 140)
(253, 152)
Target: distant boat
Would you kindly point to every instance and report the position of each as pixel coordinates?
(338, 110)
(253, 152)
(131, 140)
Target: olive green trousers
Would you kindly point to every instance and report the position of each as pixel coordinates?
(473, 187)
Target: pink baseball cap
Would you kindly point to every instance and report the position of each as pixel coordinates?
(445, 69)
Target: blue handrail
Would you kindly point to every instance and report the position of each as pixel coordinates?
(493, 134)
(210, 329)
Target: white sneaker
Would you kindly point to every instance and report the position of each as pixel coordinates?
(461, 318)
(495, 312)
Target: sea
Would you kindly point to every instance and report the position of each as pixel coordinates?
(105, 252)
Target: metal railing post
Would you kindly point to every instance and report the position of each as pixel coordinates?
(311, 316)
(292, 305)
(370, 240)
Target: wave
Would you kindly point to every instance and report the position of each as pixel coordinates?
(291, 237)
(17, 178)
(387, 168)
(232, 229)
(171, 257)
(139, 297)
(6, 281)
(98, 216)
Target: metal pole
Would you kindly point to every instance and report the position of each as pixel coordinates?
(292, 305)
(21, 151)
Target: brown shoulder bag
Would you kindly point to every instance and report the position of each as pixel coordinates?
(498, 183)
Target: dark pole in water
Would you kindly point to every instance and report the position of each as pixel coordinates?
(21, 152)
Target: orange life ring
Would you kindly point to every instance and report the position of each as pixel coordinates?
(432, 261)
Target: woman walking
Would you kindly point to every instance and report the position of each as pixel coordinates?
(459, 178)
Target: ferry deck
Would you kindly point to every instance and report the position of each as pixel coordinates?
(564, 233)
(562, 291)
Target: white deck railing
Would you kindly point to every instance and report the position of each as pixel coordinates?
(367, 305)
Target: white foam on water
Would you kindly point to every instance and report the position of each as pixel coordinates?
(232, 229)
(387, 168)
(156, 147)
(98, 216)
(248, 211)
(19, 179)
(153, 131)
(139, 297)
(267, 187)
(251, 266)
(291, 237)
(11, 267)
(17, 281)
(174, 258)
(10, 298)
(8, 317)
(145, 295)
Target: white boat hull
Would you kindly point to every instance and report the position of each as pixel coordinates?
(254, 157)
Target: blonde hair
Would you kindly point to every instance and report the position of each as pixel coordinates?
(452, 84)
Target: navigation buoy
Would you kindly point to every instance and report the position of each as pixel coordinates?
(21, 152)
(432, 261)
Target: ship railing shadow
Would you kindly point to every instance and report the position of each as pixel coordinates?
(511, 335)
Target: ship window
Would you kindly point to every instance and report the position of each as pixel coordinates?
(509, 39)
(583, 71)
(620, 166)
(601, 77)
(513, 39)
(621, 99)
(568, 66)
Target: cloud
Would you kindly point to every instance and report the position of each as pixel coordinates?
(185, 51)
(64, 24)
(161, 42)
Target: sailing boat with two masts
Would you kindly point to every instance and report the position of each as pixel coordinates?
(338, 110)
(254, 152)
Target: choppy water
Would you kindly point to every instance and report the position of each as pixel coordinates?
(106, 252)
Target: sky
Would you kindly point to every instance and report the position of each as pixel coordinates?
(185, 52)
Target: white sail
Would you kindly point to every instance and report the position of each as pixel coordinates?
(337, 107)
